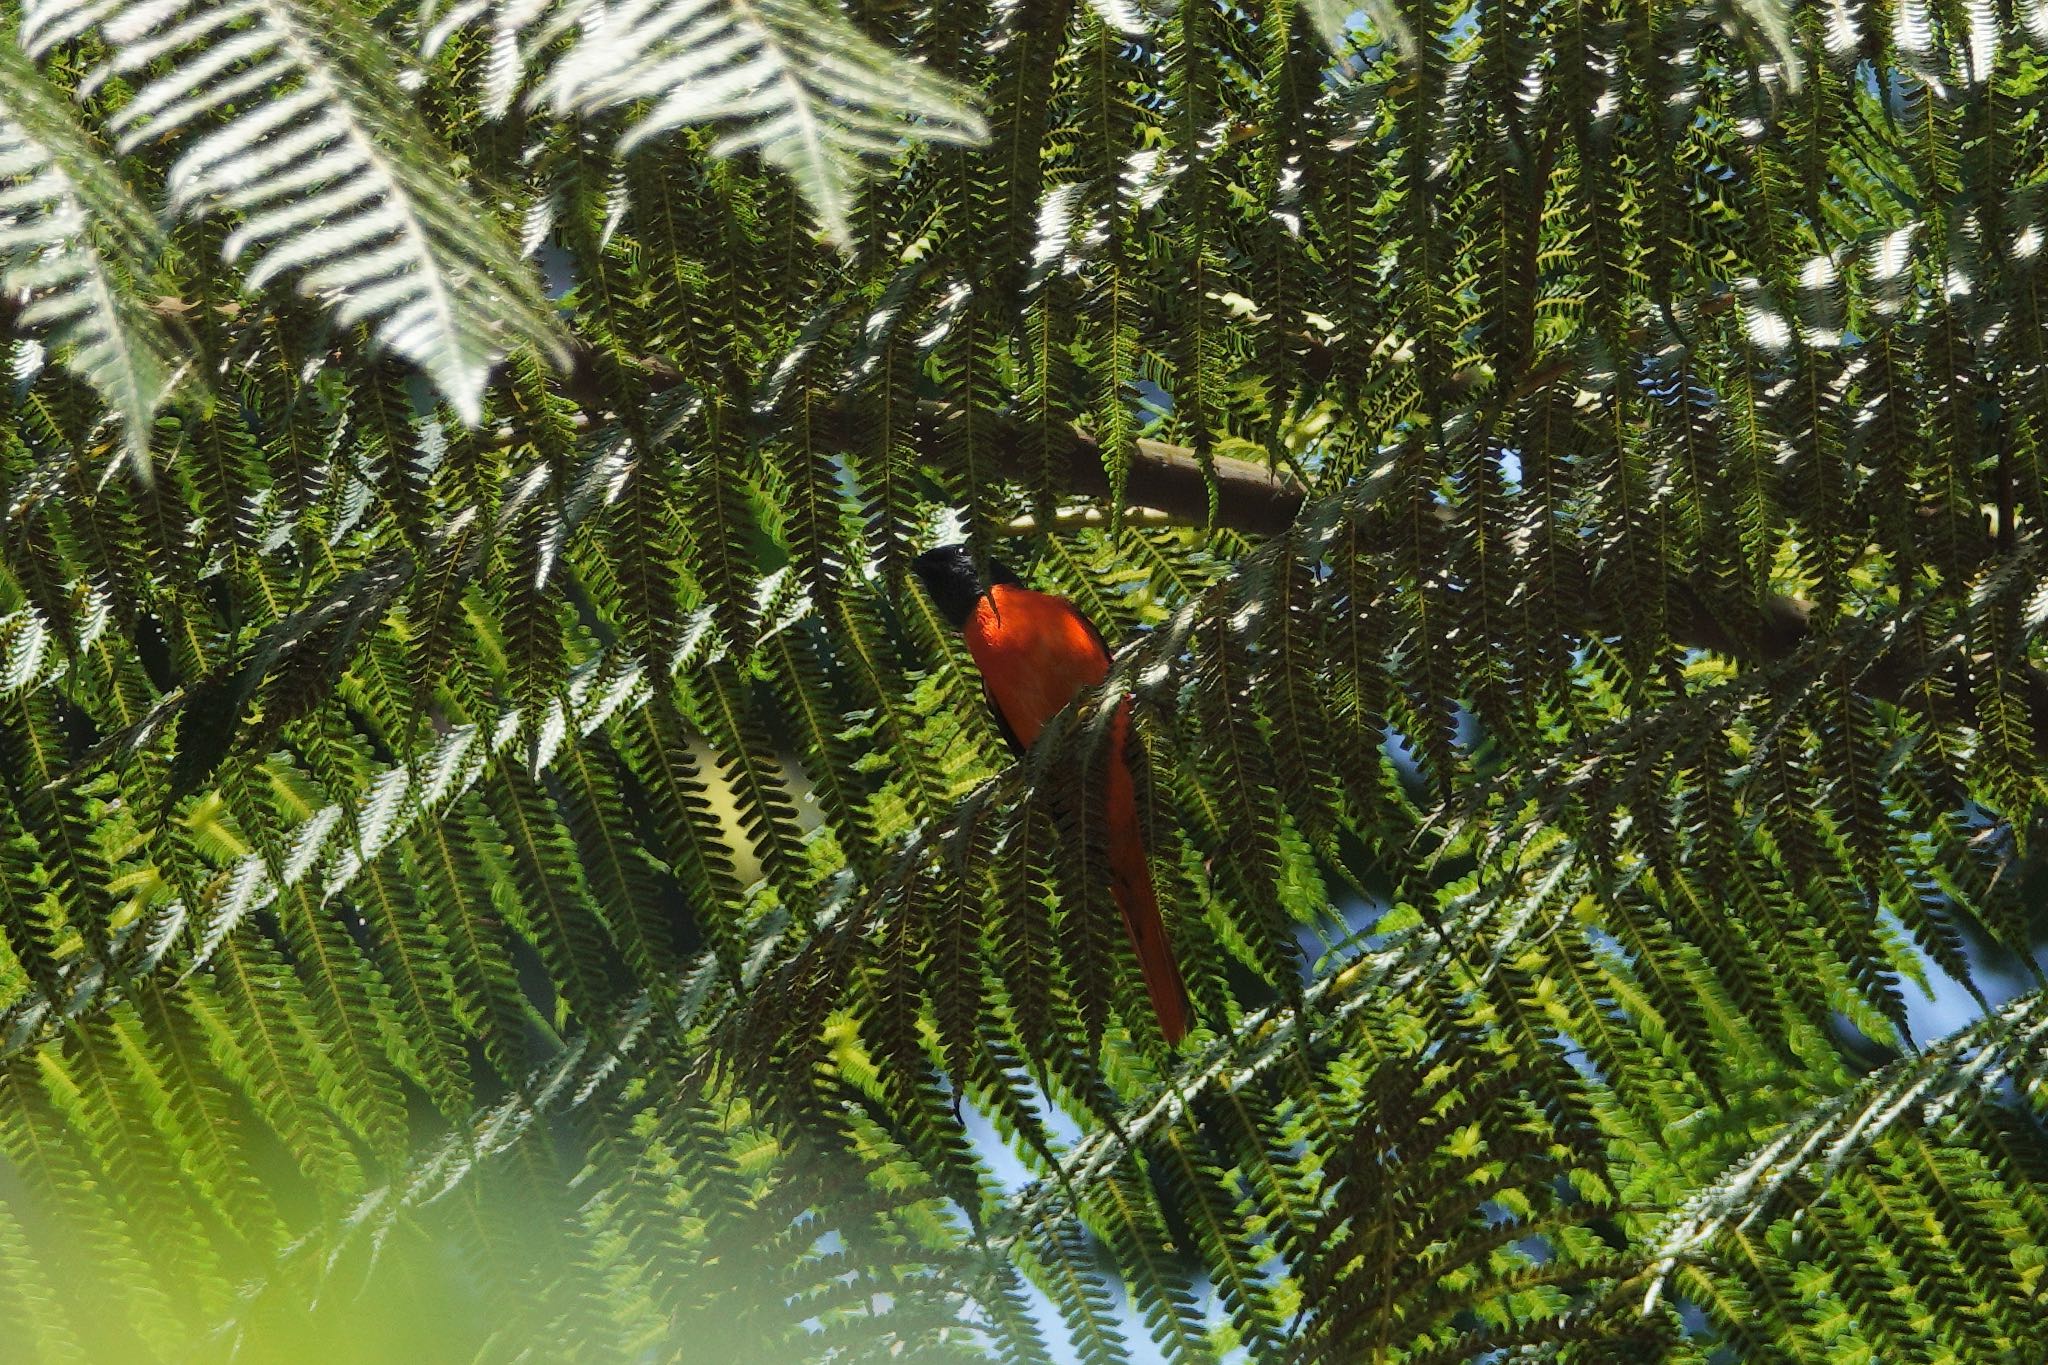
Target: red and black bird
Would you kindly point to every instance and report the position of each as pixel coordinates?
(1036, 653)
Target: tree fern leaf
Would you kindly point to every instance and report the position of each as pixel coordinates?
(662, 757)
(797, 676)
(29, 915)
(640, 541)
(397, 242)
(1023, 932)
(97, 1245)
(1953, 1192)
(958, 990)
(59, 821)
(409, 953)
(510, 53)
(128, 1075)
(623, 876)
(548, 896)
(1070, 1279)
(797, 84)
(77, 247)
(1238, 786)
(451, 878)
(1092, 951)
(1920, 1089)
(724, 704)
(342, 1022)
(29, 1297)
(724, 530)
(1228, 1252)
(1290, 634)
(254, 1040)
(93, 1088)
(213, 1141)
(1159, 1287)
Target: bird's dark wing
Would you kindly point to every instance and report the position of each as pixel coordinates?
(1009, 735)
(1100, 643)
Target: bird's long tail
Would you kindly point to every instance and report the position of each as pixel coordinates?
(1131, 883)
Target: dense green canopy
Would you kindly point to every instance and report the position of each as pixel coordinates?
(498, 860)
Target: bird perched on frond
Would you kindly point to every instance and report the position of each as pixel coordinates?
(1036, 652)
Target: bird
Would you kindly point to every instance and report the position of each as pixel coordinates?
(1036, 652)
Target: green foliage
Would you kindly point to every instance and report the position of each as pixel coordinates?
(78, 247)
(511, 859)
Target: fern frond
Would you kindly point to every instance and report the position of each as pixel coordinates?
(798, 84)
(77, 250)
(327, 174)
(1946, 1079)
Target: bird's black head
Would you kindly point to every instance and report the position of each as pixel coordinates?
(947, 572)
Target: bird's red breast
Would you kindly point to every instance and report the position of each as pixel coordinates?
(1036, 653)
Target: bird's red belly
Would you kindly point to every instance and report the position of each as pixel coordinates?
(1035, 653)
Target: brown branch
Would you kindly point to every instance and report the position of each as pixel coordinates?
(1256, 500)
(1170, 479)
(1067, 520)
(1167, 484)
(1165, 478)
